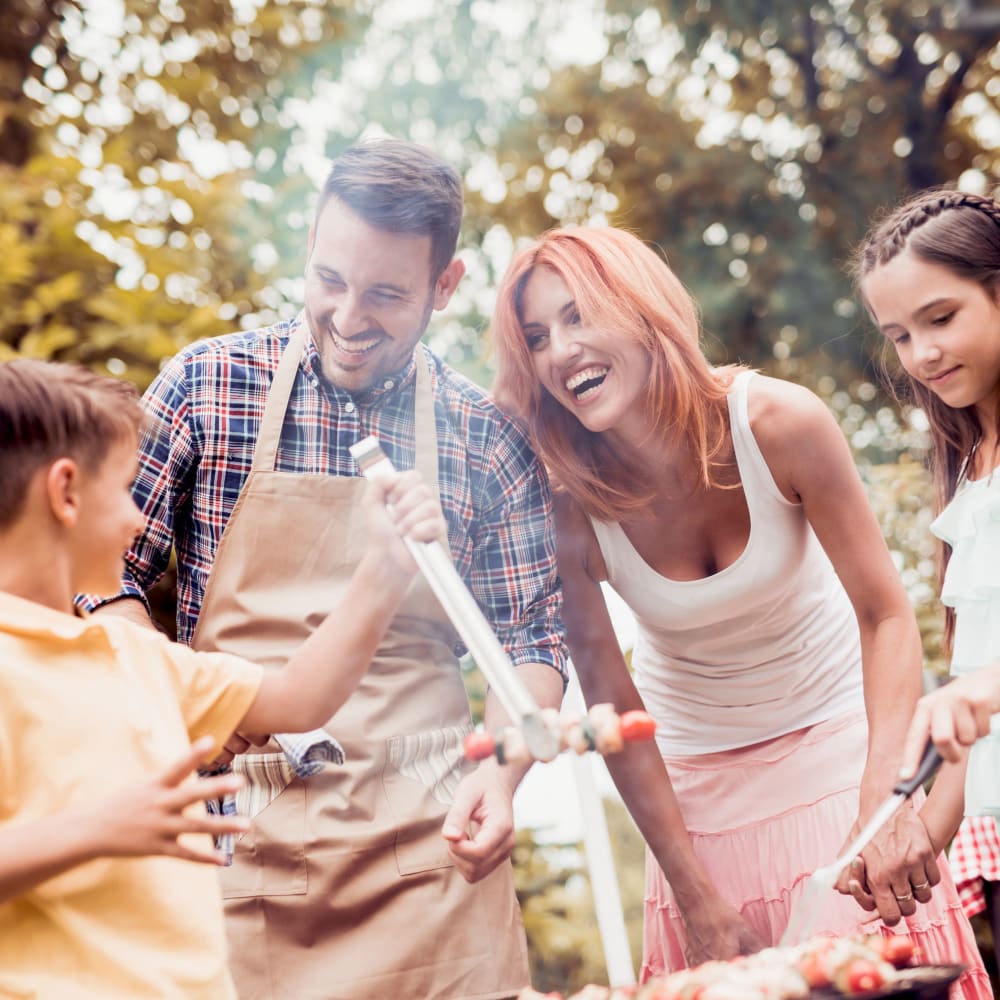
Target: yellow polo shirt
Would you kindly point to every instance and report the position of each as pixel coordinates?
(89, 706)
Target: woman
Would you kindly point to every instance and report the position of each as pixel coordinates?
(776, 647)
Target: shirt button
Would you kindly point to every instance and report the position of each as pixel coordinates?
(387, 384)
(349, 406)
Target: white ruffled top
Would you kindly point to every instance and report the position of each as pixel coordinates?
(970, 524)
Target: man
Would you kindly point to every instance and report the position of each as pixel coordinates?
(388, 876)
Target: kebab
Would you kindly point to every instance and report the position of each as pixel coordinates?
(602, 730)
(823, 966)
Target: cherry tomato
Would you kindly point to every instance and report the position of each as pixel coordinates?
(479, 746)
(813, 972)
(862, 975)
(898, 950)
(637, 725)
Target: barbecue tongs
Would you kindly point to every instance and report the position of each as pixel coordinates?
(460, 606)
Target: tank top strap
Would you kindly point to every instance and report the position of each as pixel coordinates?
(615, 547)
(754, 470)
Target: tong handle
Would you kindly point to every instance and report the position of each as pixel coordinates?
(930, 761)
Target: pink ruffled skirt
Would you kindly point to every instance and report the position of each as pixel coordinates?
(762, 818)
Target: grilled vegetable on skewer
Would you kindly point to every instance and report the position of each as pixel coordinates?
(601, 729)
(821, 967)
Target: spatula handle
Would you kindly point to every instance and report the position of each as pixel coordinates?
(930, 761)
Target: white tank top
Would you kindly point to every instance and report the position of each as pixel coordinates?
(768, 645)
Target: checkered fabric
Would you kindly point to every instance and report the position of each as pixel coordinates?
(973, 858)
(303, 755)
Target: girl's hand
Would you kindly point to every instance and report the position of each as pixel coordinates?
(954, 716)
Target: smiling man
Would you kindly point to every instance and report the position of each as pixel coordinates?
(389, 875)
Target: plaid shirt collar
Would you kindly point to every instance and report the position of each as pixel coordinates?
(391, 383)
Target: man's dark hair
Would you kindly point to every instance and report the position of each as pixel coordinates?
(400, 187)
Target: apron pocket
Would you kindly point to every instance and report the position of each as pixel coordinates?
(269, 860)
(421, 775)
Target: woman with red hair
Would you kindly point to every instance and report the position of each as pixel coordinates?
(776, 645)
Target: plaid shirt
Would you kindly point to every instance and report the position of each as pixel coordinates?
(206, 406)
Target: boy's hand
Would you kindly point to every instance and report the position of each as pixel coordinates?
(153, 817)
(238, 743)
(402, 504)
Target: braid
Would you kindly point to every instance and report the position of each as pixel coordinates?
(889, 238)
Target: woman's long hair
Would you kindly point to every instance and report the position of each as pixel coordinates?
(959, 232)
(623, 287)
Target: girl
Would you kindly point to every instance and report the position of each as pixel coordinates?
(777, 648)
(929, 276)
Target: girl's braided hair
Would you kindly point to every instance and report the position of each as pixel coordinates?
(890, 235)
(960, 232)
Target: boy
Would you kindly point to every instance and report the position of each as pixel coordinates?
(97, 895)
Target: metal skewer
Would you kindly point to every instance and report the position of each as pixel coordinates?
(434, 563)
(804, 913)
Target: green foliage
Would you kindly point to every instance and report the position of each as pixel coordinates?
(901, 495)
(752, 142)
(475, 688)
(132, 146)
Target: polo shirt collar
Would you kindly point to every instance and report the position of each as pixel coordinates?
(22, 617)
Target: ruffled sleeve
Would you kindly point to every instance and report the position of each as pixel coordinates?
(970, 524)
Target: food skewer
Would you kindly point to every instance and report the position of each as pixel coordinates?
(602, 730)
(435, 564)
(821, 967)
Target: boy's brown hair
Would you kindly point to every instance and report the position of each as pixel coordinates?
(49, 411)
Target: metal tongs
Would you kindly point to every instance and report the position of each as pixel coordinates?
(435, 564)
(806, 910)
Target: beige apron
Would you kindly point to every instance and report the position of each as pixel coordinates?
(343, 890)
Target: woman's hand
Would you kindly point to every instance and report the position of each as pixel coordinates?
(897, 870)
(714, 930)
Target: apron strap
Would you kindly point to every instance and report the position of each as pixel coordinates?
(265, 452)
(425, 423)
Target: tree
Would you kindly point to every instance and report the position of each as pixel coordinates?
(752, 142)
(141, 149)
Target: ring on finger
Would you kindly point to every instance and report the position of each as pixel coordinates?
(920, 886)
(907, 897)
